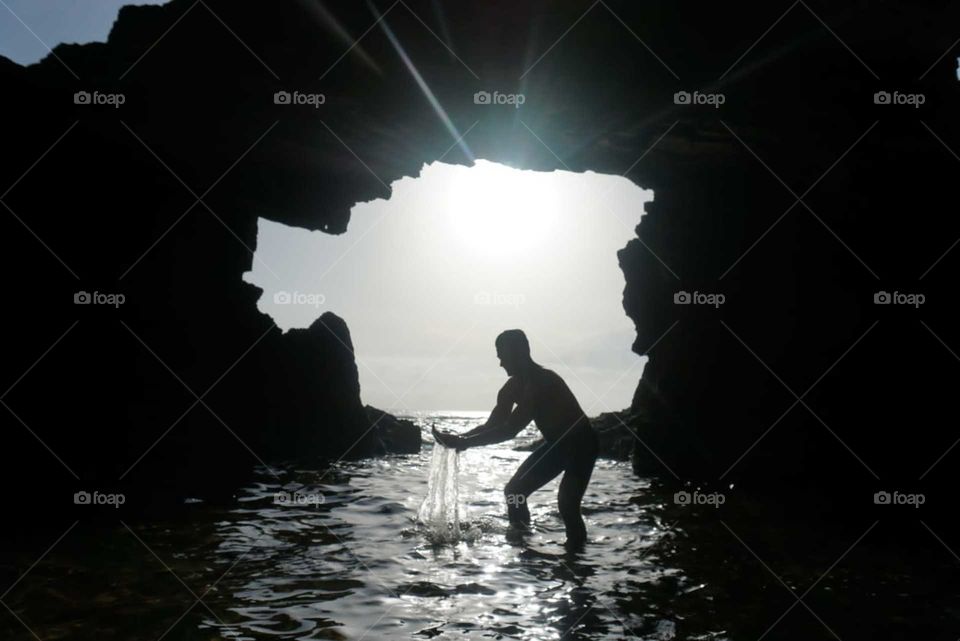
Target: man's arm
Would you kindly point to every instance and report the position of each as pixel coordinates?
(478, 429)
(506, 428)
(506, 397)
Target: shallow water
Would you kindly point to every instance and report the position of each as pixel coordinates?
(339, 555)
(391, 581)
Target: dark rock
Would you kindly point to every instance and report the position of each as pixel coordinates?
(94, 209)
(319, 358)
(617, 432)
(396, 435)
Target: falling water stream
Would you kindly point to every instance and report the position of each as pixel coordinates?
(441, 514)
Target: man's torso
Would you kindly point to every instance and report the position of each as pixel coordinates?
(555, 410)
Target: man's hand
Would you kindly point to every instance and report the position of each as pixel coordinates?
(452, 441)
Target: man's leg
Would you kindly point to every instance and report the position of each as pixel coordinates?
(542, 466)
(572, 487)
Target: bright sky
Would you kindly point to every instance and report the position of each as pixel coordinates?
(28, 27)
(427, 279)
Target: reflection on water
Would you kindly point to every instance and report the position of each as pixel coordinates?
(338, 555)
(361, 563)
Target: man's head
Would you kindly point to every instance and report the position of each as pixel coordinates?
(513, 350)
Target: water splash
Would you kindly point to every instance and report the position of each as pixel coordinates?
(441, 513)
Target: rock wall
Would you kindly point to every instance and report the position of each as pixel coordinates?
(158, 199)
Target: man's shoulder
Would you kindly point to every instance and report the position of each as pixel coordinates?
(517, 387)
(513, 386)
(550, 376)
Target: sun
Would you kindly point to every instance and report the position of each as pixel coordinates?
(499, 211)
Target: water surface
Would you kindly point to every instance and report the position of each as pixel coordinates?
(340, 556)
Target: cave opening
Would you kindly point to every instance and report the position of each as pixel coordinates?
(427, 278)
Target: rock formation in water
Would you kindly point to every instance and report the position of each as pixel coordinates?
(799, 198)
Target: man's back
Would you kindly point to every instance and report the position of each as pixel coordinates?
(555, 409)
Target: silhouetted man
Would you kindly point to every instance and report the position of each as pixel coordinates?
(570, 443)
